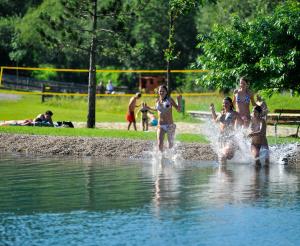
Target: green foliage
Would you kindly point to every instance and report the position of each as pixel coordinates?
(43, 74)
(106, 76)
(265, 49)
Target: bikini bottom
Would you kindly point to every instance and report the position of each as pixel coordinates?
(169, 128)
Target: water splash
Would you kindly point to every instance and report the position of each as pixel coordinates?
(282, 152)
(278, 153)
(243, 152)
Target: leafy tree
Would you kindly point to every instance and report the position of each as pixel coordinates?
(265, 49)
(90, 28)
(220, 12)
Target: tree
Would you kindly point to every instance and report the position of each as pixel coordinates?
(88, 27)
(176, 9)
(265, 49)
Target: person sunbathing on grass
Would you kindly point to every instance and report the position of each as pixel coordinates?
(41, 120)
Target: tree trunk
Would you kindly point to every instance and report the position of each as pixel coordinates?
(91, 117)
(170, 48)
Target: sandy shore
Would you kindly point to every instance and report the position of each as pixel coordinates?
(108, 148)
(98, 147)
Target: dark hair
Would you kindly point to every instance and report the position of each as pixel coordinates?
(166, 88)
(258, 109)
(229, 100)
(49, 112)
(138, 94)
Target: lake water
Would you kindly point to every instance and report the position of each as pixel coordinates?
(64, 201)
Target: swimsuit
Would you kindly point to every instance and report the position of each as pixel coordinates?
(144, 116)
(227, 118)
(164, 106)
(245, 99)
(130, 116)
(227, 136)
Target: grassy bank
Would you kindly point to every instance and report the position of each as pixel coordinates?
(110, 109)
(15, 106)
(85, 132)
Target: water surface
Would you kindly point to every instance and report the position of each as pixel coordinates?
(65, 201)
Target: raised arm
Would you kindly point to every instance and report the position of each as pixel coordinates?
(213, 111)
(252, 99)
(175, 105)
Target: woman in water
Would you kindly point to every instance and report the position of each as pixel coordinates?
(242, 98)
(258, 137)
(228, 120)
(164, 105)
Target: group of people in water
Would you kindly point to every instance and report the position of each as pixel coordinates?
(229, 119)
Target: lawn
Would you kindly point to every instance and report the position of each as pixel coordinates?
(111, 109)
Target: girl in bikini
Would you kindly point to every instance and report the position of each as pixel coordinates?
(242, 98)
(164, 105)
(144, 111)
(258, 137)
(228, 120)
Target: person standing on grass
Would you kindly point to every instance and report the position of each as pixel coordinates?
(131, 107)
(144, 111)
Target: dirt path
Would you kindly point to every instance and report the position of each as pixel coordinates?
(193, 128)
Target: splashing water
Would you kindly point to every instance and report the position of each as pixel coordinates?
(278, 153)
(243, 152)
(281, 152)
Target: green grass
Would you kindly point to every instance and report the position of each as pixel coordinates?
(107, 133)
(113, 109)
(282, 140)
(86, 132)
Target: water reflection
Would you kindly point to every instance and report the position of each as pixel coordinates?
(246, 184)
(30, 185)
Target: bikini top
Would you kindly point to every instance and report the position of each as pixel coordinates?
(255, 127)
(164, 106)
(144, 110)
(245, 99)
(227, 118)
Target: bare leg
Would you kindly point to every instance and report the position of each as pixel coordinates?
(160, 139)
(255, 153)
(128, 128)
(134, 125)
(171, 139)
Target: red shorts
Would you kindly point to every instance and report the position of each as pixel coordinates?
(130, 116)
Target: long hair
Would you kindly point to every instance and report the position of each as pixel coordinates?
(230, 101)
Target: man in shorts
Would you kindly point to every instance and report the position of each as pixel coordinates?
(131, 107)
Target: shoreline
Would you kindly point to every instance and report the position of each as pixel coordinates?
(114, 148)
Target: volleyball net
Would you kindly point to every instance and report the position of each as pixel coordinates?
(25, 76)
